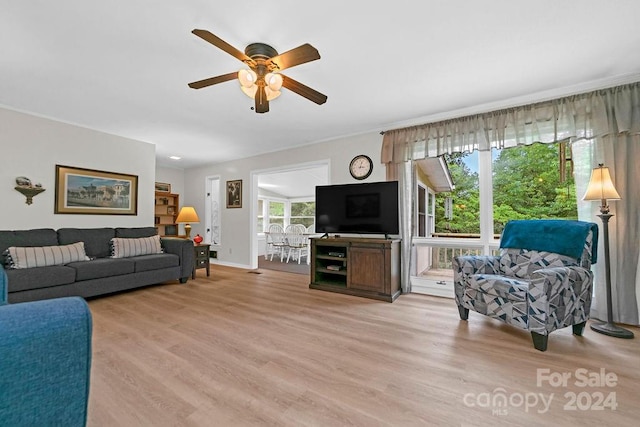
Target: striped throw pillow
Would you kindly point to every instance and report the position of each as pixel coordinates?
(124, 248)
(43, 256)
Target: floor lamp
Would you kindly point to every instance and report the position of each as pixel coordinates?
(601, 188)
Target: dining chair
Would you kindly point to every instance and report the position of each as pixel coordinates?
(297, 242)
(276, 241)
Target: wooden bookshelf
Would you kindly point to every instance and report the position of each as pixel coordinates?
(166, 212)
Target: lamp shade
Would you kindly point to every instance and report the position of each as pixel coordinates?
(187, 214)
(600, 186)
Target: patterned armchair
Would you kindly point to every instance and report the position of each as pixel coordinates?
(541, 281)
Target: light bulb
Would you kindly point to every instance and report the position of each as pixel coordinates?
(274, 81)
(247, 78)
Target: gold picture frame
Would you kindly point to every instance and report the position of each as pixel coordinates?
(95, 192)
(234, 193)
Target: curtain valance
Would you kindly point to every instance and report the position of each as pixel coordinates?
(585, 116)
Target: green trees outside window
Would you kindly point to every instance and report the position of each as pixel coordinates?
(527, 184)
(303, 213)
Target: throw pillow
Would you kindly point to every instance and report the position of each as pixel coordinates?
(43, 256)
(124, 248)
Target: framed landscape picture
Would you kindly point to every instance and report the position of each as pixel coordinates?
(163, 187)
(234, 193)
(94, 192)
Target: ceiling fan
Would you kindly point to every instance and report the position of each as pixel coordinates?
(263, 80)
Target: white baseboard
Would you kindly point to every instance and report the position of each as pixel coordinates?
(229, 264)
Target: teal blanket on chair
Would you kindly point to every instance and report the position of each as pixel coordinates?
(559, 236)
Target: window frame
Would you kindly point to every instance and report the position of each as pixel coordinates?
(287, 218)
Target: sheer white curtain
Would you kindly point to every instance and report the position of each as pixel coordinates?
(404, 174)
(607, 120)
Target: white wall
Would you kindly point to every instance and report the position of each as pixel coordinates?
(173, 176)
(236, 237)
(33, 146)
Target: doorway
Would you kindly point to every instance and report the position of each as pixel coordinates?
(273, 193)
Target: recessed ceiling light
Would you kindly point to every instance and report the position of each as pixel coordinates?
(175, 157)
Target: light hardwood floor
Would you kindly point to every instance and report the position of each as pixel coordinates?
(240, 348)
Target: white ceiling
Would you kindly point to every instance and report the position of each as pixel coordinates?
(298, 183)
(123, 67)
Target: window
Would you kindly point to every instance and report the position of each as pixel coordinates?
(524, 182)
(276, 212)
(212, 212)
(461, 218)
(303, 212)
(527, 182)
(530, 182)
(261, 224)
(285, 212)
(270, 211)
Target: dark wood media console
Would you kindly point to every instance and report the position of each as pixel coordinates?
(364, 267)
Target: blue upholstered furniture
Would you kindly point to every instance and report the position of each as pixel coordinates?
(541, 281)
(45, 361)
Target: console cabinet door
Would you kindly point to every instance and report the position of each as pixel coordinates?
(367, 268)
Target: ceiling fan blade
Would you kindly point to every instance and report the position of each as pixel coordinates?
(296, 56)
(262, 104)
(213, 80)
(221, 44)
(302, 90)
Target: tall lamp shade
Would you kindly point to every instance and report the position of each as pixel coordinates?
(601, 188)
(187, 216)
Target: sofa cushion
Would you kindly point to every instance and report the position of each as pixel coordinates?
(35, 237)
(124, 248)
(155, 262)
(96, 240)
(42, 256)
(102, 267)
(39, 277)
(133, 232)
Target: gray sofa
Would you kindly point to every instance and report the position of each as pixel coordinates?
(100, 274)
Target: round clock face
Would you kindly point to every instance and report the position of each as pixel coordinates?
(361, 167)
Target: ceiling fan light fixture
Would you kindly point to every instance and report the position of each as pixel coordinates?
(260, 78)
(247, 78)
(271, 94)
(274, 81)
(250, 91)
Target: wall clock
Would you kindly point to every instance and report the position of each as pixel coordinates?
(361, 166)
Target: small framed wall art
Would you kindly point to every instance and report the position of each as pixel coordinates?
(163, 187)
(234, 193)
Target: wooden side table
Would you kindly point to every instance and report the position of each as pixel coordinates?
(202, 258)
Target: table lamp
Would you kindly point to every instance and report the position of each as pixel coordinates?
(601, 188)
(187, 215)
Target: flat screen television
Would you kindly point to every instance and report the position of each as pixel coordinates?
(370, 208)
